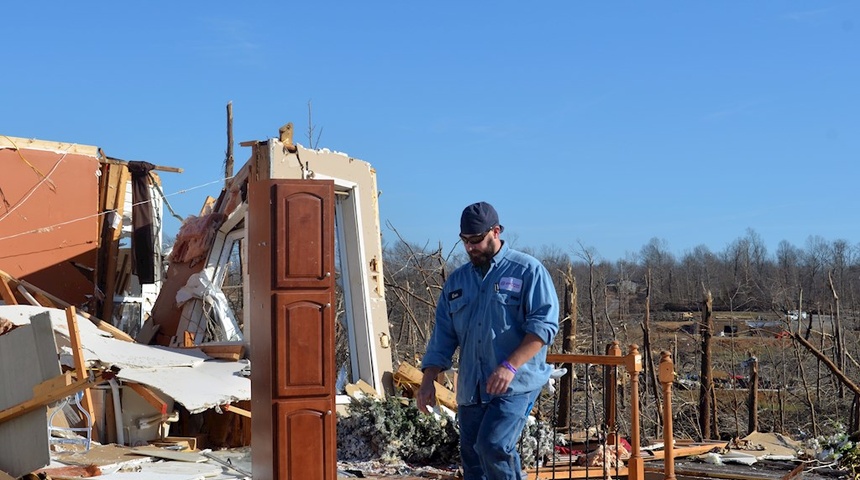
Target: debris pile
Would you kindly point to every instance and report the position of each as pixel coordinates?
(393, 430)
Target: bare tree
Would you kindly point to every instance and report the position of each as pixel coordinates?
(706, 390)
(587, 254)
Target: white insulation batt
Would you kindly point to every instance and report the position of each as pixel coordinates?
(187, 375)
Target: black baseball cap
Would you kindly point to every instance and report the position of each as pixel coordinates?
(478, 218)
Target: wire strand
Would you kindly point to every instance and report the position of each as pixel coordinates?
(60, 224)
(45, 178)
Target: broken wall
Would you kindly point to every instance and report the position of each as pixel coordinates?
(49, 222)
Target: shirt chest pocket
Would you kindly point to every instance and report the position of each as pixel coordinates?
(510, 303)
(458, 309)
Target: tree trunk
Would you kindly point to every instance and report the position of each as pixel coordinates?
(228, 160)
(809, 402)
(752, 403)
(837, 332)
(593, 310)
(649, 370)
(568, 345)
(705, 378)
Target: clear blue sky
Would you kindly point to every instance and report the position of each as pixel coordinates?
(604, 124)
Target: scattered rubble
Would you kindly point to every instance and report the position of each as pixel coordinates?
(145, 369)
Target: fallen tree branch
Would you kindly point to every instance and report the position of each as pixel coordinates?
(827, 362)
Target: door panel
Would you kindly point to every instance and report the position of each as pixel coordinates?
(304, 237)
(306, 446)
(304, 343)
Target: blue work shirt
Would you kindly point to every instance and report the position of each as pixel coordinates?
(489, 317)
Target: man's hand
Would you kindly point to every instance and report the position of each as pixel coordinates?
(426, 398)
(426, 395)
(499, 381)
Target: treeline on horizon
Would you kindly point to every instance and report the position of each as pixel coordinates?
(743, 276)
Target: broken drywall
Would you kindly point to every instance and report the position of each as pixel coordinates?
(187, 375)
(27, 358)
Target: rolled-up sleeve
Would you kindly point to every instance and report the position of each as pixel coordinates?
(542, 315)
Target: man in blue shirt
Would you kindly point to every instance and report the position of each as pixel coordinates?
(501, 310)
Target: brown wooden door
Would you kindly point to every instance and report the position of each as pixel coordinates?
(291, 249)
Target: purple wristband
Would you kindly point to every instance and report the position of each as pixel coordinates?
(508, 365)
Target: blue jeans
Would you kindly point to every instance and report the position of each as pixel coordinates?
(489, 433)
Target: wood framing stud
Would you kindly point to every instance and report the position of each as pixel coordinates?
(80, 367)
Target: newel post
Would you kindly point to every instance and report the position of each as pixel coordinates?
(667, 376)
(635, 465)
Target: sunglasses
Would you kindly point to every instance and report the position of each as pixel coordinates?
(475, 239)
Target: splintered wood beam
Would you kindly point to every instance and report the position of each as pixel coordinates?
(59, 382)
(80, 366)
(160, 168)
(6, 292)
(150, 397)
(237, 410)
(50, 391)
(113, 247)
(43, 300)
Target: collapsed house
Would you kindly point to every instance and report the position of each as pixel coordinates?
(81, 230)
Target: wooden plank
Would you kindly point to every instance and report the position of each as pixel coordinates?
(80, 367)
(224, 352)
(56, 383)
(696, 449)
(46, 397)
(360, 389)
(237, 410)
(187, 443)
(113, 247)
(160, 168)
(36, 144)
(409, 375)
(43, 300)
(208, 206)
(6, 292)
(587, 359)
(151, 398)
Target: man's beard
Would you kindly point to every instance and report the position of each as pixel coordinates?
(481, 258)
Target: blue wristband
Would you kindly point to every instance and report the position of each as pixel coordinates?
(508, 365)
